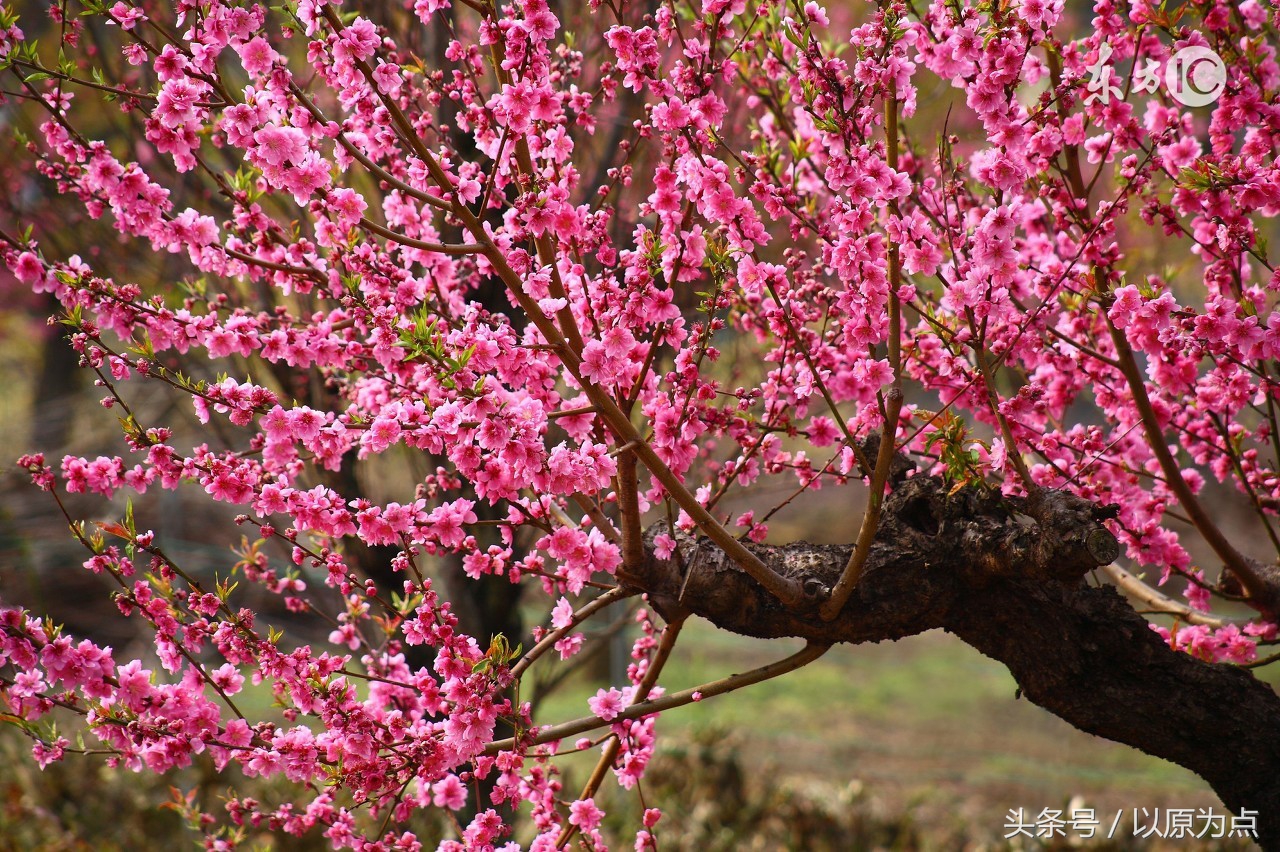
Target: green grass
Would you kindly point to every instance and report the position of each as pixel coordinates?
(924, 720)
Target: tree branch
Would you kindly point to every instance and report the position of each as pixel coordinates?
(1006, 575)
(799, 659)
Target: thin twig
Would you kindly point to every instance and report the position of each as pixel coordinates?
(1205, 525)
(893, 402)
(801, 658)
(666, 644)
(591, 608)
(453, 249)
(1136, 588)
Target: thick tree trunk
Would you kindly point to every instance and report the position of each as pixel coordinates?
(1007, 576)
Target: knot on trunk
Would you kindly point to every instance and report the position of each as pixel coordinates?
(934, 543)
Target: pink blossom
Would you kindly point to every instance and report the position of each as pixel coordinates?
(28, 268)
(607, 704)
(585, 815)
(278, 146)
(257, 55)
(562, 614)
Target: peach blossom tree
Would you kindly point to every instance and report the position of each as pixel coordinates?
(609, 266)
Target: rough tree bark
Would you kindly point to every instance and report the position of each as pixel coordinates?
(1007, 576)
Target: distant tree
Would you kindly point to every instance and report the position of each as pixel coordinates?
(533, 292)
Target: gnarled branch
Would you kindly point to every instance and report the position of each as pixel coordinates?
(1006, 575)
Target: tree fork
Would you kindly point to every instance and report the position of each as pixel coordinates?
(1007, 576)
